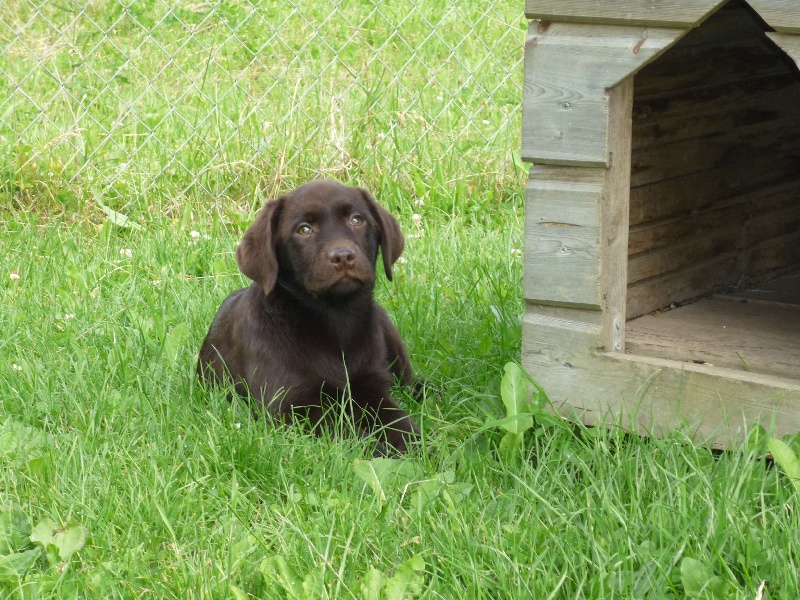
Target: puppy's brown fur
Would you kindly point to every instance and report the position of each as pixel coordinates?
(307, 333)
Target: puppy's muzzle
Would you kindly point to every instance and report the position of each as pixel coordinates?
(342, 258)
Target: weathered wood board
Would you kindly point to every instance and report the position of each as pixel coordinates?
(781, 290)
(715, 163)
(739, 335)
(682, 13)
(568, 69)
(783, 15)
(788, 43)
(562, 235)
(716, 406)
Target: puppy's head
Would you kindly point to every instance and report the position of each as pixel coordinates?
(321, 239)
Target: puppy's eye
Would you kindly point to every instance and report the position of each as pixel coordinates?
(304, 230)
(357, 220)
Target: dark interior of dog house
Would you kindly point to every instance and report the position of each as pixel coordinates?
(714, 239)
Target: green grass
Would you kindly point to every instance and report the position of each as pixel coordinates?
(182, 494)
(120, 477)
(154, 104)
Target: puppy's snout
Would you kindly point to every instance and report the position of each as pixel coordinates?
(342, 257)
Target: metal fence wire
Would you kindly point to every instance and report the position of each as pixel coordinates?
(129, 98)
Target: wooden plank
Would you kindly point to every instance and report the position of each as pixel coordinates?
(681, 13)
(742, 229)
(665, 120)
(759, 337)
(780, 220)
(650, 395)
(568, 68)
(718, 70)
(734, 21)
(562, 229)
(658, 234)
(686, 252)
(783, 15)
(732, 146)
(702, 277)
(715, 188)
(716, 272)
(772, 254)
(789, 43)
(784, 290)
(614, 217)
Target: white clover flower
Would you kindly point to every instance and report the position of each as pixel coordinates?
(402, 260)
(419, 202)
(16, 367)
(126, 253)
(485, 122)
(68, 316)
(14, 275)
(195, 234)
(417, 219)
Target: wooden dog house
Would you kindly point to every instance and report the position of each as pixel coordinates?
(662, 238)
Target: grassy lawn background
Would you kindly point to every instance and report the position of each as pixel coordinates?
(120, 477)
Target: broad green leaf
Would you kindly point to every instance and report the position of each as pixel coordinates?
(177, 340)
(60, 543)
(427, 492)
(509, 446)
(314, 584)
(116, 218)
(385, 474)
(275, 568)
(19, 444)
(787, 460)
(700, 582)
(514, 390)
(757, 439)
(237, 593)
(408, 581)
(13, 567)
(15, 530)
(372, 584)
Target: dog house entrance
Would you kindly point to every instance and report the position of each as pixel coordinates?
(714, 238)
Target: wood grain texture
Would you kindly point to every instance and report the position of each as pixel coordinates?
(650, 395)
(789, 43)
(783, 290)
(715, 163)
(783, 15)
(675, 286)
(681, 13)
(562, 235)
(738, 335)
(614, 217)
(568, 70)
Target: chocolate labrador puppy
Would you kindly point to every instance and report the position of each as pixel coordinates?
(307, 335)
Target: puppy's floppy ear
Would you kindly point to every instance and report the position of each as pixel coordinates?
(391, 238)
(256, 255)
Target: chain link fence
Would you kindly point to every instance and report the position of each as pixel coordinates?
(155, 101)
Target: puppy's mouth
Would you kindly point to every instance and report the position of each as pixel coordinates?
(345, 285)
(345, 281)
(338, 283)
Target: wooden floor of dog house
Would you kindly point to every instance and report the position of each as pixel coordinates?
(755, 329)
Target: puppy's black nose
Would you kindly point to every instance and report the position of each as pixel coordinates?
(342, 256)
